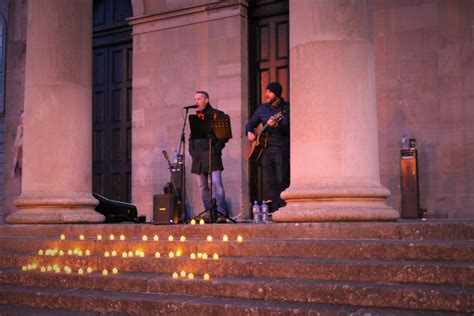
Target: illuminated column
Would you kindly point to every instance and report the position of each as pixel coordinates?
(334, 150)
(57, 145)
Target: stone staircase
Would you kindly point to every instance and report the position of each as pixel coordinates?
(402, 268)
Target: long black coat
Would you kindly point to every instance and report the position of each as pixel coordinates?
(199, 148)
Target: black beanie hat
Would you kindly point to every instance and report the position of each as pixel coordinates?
(276, 88)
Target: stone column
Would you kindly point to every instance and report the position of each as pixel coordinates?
(334, 149)
(57, 144)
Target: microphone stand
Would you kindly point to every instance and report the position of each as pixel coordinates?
(182, 161)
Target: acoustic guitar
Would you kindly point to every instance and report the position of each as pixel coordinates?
(261, 140)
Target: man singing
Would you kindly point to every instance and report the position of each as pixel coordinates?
(199, 150)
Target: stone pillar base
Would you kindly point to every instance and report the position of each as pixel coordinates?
(55, 210)
(335, 201)
(315, 211)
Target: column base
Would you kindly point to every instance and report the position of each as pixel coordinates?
(335, 212)
(335, 201)
(31, 210)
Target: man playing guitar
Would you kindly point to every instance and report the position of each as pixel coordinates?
(274, 159)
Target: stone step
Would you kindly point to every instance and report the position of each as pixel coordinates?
(430, 272)
(373, 295)
(14, 310)
(430, 229)
(460, 250)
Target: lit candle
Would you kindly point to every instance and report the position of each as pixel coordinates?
(114, 270)
(171, 254)
(142, 254)
(81, 237)
(144, 238)
(183, 274)
(209, 238)
(170, 238)
(130, 254)
(179, 252)
(182, 239)
(206, 277)
(62, 237)
(76, 251)
(114, 253)
(190, 276)
(106, 254)
(80, 271)
(157, 254)
(28, 267)
(240, 238)
(122, 237)
(43, 269)
(24, 268)
(124, 254)
(48, 252)
(225, 238)
(193, 222)
(34, 266)
(199, 255)
(193, 256)
(79, 253)
(156, 238)
(61, 253)
(215, 256)
(89, 270)
(70, 252)
(204, 256)
(40, 252)
(55, 267)
(49, 268)
(67, 269)
(57, 270)
(105, 272)
(201, 222)
(88, 253)
(99, 237)
(111, 237)
(175, 275)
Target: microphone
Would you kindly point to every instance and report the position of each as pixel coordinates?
(194, 106)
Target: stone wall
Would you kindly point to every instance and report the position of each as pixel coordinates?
(178, 50)
(15, 86)
(425, 88)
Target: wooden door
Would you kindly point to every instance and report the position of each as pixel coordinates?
(112, 99)
(269, 61)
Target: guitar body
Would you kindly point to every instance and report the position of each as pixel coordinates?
(258, 145)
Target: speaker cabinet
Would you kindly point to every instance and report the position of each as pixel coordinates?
(409, 184)
(165, 210)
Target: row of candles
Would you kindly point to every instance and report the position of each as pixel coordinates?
(55, 268)
(99, 237)
(125, 254)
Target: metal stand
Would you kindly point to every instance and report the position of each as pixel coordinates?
(182, 162)
(208, 127)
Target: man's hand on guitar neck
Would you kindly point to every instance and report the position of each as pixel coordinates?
(251, 136)
(272, 122)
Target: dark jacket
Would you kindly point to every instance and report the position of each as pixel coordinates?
(280, 135)
(199, 148)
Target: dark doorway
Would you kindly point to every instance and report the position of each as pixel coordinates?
(269, 61)
(112, 99)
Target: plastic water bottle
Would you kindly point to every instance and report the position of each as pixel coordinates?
(264, 213)
(256, 213)
(405, 144)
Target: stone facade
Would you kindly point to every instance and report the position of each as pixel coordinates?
(15, 89)
(423, 86)
(177, 50)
